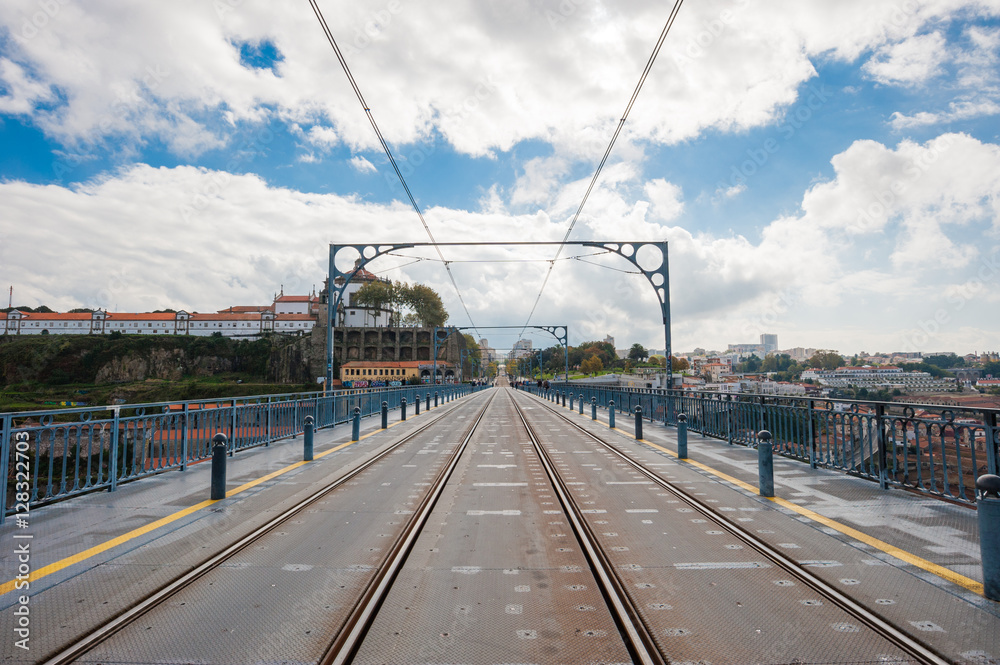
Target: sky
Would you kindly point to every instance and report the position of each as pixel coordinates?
(825, 171)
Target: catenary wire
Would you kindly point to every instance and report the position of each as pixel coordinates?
(388, 152)
(621, 124)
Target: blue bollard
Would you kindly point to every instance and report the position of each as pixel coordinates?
(356, 427)
(682, 436)
(428, 401)
(220, 442)
(988, 508)
(385, 415)
(765, 463)
(581, 405)
(402, 408)
(435, 399)
(571, 400)
(416, 406)
(611, 413)
(307, 439)
(638, 422)
(593, 407)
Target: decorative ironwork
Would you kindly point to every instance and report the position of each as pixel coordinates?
(654, 268)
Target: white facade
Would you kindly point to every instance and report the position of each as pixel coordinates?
(229, 324)
(888, 377)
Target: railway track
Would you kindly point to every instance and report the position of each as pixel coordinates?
(71, 652)
(918, 651)
(352, 633)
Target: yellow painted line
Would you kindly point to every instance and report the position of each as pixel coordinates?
(891, 550)
(163, 521)
(881, 545)
(103, 547)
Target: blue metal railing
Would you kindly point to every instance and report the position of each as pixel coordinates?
(55, 454)
(930, 448)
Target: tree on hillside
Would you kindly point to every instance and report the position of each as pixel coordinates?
(638, 352)
(945, 361)
(751, 364)
(604, 350)
(827, 360)
(592, 365)
(779, 363)
(472, 347)
(677, 364)
(378, 294)
(426, 305)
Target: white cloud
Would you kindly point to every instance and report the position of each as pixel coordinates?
(163, 69)
(23, 93)
(912, 61)
(805, 277)
(323, 138)
(667, 199)
(362, 165)
(956, 111)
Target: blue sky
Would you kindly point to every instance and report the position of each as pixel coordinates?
(826, 172)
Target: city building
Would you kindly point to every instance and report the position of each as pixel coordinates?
(769, 342)
(227, 323)
(888, 377)
(379, 374)
(487, 353)
(521, 349)
(352, 314)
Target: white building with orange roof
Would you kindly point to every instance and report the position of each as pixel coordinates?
(352, 314)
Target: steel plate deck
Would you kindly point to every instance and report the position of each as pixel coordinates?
(286, 596)
(497, 576)
(72, 601)
(957, 622)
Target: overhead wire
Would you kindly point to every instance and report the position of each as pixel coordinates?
(621, 124)
(565, 258)
(388, 152)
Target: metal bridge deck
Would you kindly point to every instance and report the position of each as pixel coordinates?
(496, 573)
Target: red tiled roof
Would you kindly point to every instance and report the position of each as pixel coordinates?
(394, 363)
(225, 316)
(243, 309)
(146, 316)
(294, 299)
(57, 316)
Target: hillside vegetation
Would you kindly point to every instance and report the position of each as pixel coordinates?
(38, 370)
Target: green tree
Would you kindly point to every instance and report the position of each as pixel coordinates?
(378, 294)
(592, 365)
(945, 361)
(604, 350)
(827, 360)
(472, 347)
(637, 353)
(677, 364)
(426, 305)
(751, 364)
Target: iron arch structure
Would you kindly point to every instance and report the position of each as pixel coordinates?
(561, 333)
(655, 269)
